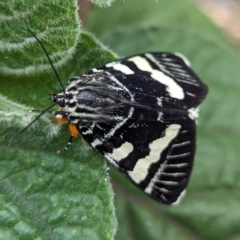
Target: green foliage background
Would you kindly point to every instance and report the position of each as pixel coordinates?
(48, 196)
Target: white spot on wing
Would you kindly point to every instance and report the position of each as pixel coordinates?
(174, 90)
(157, 146)
(120, 67)
(120, 153)
(179, 165)
(97, 70)
(160, 117)
(190, 94)
(183, 155)
(174, 174)
(180, 198)
(182, 144)
(170, 183)
(89, 131)
(187, 62)
(96, 142)
(193, 113)
(159, 102)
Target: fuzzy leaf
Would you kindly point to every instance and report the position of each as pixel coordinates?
(56, 25)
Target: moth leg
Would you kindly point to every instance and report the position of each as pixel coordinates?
(62, 117)
(67, 146)
(74, 133)
(39, 111)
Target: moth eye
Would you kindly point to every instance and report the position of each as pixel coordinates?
(61, 103)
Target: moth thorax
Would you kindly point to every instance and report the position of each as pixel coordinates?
(94, 98)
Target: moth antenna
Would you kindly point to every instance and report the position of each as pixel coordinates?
(46, 53)
(23, 129)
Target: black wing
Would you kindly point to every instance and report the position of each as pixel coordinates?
(154, 147)
(179, 87)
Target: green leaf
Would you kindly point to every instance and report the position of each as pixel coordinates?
(210, 208)
(41, 196)
(45, 195)
(55, 23)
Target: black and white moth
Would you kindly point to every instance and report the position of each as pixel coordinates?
(139, 113)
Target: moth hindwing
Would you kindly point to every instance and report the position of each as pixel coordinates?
(139, 113)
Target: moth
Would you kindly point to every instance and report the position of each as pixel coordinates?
(140, 114)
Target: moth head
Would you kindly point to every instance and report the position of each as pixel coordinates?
(62, 98)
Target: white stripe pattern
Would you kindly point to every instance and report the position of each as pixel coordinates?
(140, 171)
(120, 153)
(174, 90)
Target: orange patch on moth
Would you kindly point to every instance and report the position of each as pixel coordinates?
(73, 130)
(62, 120)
